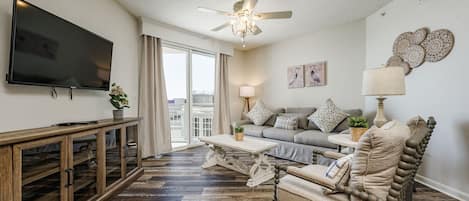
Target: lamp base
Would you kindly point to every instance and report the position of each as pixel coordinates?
(380, 119)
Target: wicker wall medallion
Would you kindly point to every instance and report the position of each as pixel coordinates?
(414, 55)
(419, 36)
(438, 45)
(401, 43)
(397, 61)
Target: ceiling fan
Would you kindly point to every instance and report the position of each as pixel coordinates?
(243, 18)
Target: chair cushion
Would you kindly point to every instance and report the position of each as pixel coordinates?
(259, 114)
(302, 119)
(271, 121)
(280, 134)
(376, 157)
(253, 130)
(344, 124)
(328, 116)
(314, 138)
(286, 122)
(293, 188)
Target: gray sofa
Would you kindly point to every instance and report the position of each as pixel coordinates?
(296, 145)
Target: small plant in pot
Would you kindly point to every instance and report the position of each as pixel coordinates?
(119, 100)
(358, 127)
(239, 133)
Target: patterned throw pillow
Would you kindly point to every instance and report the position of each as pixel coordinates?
(285, 122)
(339, 171)
(301, 118)
(259, 114)
(328, 116)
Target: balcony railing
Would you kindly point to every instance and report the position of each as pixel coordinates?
(202, 118)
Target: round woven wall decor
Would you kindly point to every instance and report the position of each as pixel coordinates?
(438, 45)
(397, 61)
(414, 55)
(419, 36)
(401, 43)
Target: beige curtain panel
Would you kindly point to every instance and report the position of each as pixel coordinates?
(153, 104)
(221, 116)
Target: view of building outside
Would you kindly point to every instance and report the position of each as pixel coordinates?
(189, 123)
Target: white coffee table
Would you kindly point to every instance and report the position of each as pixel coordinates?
(261, 171)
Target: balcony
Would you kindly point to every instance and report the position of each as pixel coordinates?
(201, 123)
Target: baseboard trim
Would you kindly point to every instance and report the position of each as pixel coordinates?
(443, 188)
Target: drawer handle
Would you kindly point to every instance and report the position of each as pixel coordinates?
(69, 172)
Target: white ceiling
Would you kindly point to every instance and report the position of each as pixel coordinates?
(308, 16)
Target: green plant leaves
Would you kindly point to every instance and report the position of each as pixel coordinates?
(358, 122)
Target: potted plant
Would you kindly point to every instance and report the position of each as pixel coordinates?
(358, 126)
(239, 133)
(119, 100)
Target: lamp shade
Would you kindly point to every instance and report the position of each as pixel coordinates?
(389, 81)
(246, 91)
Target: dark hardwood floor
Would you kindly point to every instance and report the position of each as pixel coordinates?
(178, 176)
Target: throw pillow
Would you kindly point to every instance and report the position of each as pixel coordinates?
(259, 114)
(339, 171)
(284, 122)
(376, 157)
(328, 116)
(273, 118)
(302, 119)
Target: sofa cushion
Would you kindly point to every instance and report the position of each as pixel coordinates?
(259, 114)
(280, 134)
(301, 118)
(376, 157)
(314, 138)
(271, 121)
(286, 122)
(344, 124)
(253, 130)
(328, 116)
(302, 110)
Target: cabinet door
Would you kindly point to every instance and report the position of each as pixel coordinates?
(131, 148)
(113, 155)
(83, 151)
(40, 170)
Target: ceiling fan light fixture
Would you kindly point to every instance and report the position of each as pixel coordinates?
(243, 18)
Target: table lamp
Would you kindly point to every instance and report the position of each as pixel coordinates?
(247, 92)
(381, 82)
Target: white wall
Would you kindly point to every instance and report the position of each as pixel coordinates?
(28, 106)
(343, 47)
(438, 89)
(237, 79)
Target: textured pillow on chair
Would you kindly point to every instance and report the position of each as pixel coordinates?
(286, 122)
(259, 114)
(328, 116)
(376, 157)
(339, 171)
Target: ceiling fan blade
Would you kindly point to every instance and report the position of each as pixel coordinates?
(244, 5)
(218, 28)
(256, 30)
(249, 4)
(214, 11)
(274, 15)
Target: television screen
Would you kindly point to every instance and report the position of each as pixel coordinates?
(49, 51)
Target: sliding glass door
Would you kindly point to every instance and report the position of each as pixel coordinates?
(190, 84)
(203, 87)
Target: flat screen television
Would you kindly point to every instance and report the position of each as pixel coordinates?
(47, 50)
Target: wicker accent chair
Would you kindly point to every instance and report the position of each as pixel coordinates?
(402, 186)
